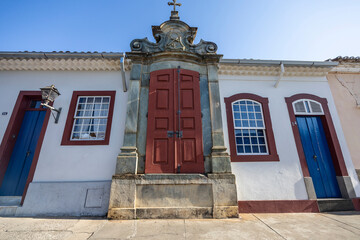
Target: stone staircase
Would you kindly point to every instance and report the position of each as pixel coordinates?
(9, 205)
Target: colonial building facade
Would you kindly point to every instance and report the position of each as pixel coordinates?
(170, 130)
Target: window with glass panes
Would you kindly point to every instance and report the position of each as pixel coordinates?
(249, 127)
(90, 118)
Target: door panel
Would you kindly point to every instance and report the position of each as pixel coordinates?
(21, 159)
(191, 158)
(160, 148)
(171, 153)
(318, 157)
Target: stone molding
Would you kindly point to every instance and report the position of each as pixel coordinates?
(347, 67)
(70, 64)
(260, 70)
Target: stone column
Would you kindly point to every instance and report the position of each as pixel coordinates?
(220, 159)
(127, 161)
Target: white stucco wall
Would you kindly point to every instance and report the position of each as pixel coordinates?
(68, 163)
(281, 180)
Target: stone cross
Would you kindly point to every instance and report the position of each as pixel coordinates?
(175, 4)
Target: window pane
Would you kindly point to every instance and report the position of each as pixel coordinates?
(237, 123)
(252, 123)
(250, 108)
(255, 149)
(260, 123)
(240, 149)
(236, 115)
(239, 140)
(236, 107)
(263, 149)
(238, 133)
(245, 123)
(247, 148)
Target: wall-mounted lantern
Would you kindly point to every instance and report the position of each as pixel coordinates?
(48, 95)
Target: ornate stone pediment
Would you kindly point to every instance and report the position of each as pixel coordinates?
(176, 36)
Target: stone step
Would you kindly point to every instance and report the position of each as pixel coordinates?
(174, 213)
(8, 211)
(10, 200)
(335, 204)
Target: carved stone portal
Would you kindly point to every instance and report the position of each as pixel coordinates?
(138, 195)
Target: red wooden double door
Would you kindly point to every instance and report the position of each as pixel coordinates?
(174, 129)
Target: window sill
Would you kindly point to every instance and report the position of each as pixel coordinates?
(83, 143)
(255, 158)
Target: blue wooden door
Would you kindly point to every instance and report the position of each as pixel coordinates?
(318, 157)
(21, 159)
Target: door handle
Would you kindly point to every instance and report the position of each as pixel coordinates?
(314, 157)
(28, 153)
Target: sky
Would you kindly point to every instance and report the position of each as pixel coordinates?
(257, 29)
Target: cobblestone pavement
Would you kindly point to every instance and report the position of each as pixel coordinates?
(317, 226)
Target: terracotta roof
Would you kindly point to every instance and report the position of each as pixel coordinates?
(346, 59)
(60, 54)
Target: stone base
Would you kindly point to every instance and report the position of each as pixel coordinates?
(172, 196)
(335, 204)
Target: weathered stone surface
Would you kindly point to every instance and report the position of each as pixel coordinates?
(309, 185)
(121, 213)
(221, 164)
(221, 212)
(122, 194)
(346, 187)
(172, 196)
(332, 205)
(136, 71)
(173, 35)
(126, 163)
(206, 118)
(174, 213)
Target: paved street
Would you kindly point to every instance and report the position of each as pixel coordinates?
(248, 226)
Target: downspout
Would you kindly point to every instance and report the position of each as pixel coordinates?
(122, 68)
(281, 74)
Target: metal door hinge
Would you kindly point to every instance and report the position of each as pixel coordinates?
(293, 124)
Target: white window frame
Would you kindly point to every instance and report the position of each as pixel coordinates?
(308, 108)
(249, 128)
(90, 117)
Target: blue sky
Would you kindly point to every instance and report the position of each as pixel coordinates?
(258, 29)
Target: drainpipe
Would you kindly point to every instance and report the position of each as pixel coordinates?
(122, 67)
(281, 74)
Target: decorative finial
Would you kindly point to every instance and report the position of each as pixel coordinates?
(174, 14)
(175, 4)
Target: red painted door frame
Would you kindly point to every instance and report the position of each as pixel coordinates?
(12, 130)
(330, 133)
(174, 154)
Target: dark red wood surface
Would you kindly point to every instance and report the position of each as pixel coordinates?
(165, 154)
